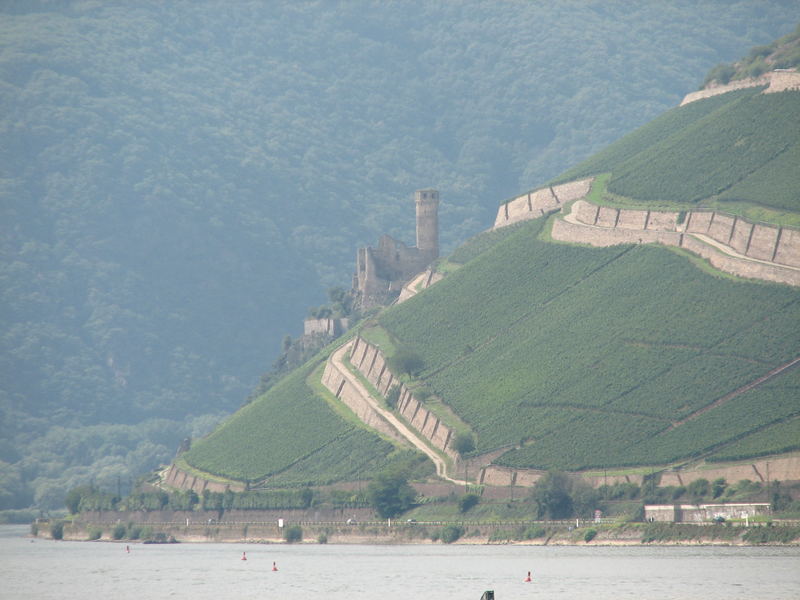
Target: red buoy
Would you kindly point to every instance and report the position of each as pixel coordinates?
(274, 566)
(244, 555)
(127, 549)
(528, 578)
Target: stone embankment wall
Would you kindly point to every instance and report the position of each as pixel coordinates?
(371, 363)
(783, 468)
(535, 204)
(421, 282)
(180, 479)
(758, 251)
(338, 384)
(778, 81)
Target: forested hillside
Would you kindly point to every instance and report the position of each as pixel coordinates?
(179, 181)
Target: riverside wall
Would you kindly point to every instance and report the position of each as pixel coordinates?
(767, 252)
(532, 205)
(371, 363)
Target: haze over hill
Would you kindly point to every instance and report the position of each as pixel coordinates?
(180, 181)
(582, 333)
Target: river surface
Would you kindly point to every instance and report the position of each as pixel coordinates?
(44, 569)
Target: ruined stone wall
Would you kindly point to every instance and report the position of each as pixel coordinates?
(534, 204)
(371, 363)
(332, 327)
(779, 80)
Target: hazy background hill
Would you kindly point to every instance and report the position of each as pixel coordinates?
(180, 181)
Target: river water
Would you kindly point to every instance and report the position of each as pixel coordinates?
(101, 570)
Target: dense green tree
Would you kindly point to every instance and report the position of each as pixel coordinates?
(551, 494)
(390, 494)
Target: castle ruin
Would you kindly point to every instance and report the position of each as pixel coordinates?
(382, 271)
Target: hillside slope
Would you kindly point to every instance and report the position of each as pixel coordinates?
(561, 356)
(180, 180)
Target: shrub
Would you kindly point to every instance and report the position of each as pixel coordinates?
(451, 533)
(292, 534)
(119, 531)
(406, 362)
(57, 530)
(34, 529)
(533, 532)
(698, 488)
(95, 533)
(134, 532)
(718, 487)
(392, 396)
(467, 501)
(589, 535)
(322, 538)
(464, 443)
(390, 494)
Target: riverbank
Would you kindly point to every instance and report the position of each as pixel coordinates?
(544, 533)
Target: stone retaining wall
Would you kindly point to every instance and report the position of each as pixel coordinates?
(370, 362)
(534, 204)
(337, 383)
(778, 81)
(605, 226)
(180, 479)
(421, 282)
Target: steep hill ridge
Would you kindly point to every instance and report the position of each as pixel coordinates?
(622, 355)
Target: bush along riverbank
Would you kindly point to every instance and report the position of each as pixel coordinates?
(203, 527)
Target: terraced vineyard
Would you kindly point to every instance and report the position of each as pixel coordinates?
(570, 357)
(586, 357)
(292, 434)
(741, 146)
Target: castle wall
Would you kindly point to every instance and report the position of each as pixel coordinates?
(331, 327)
(427, 212)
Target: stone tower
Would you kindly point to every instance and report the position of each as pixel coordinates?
(427, 202)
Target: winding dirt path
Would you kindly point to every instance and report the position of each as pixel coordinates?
(411, 436)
